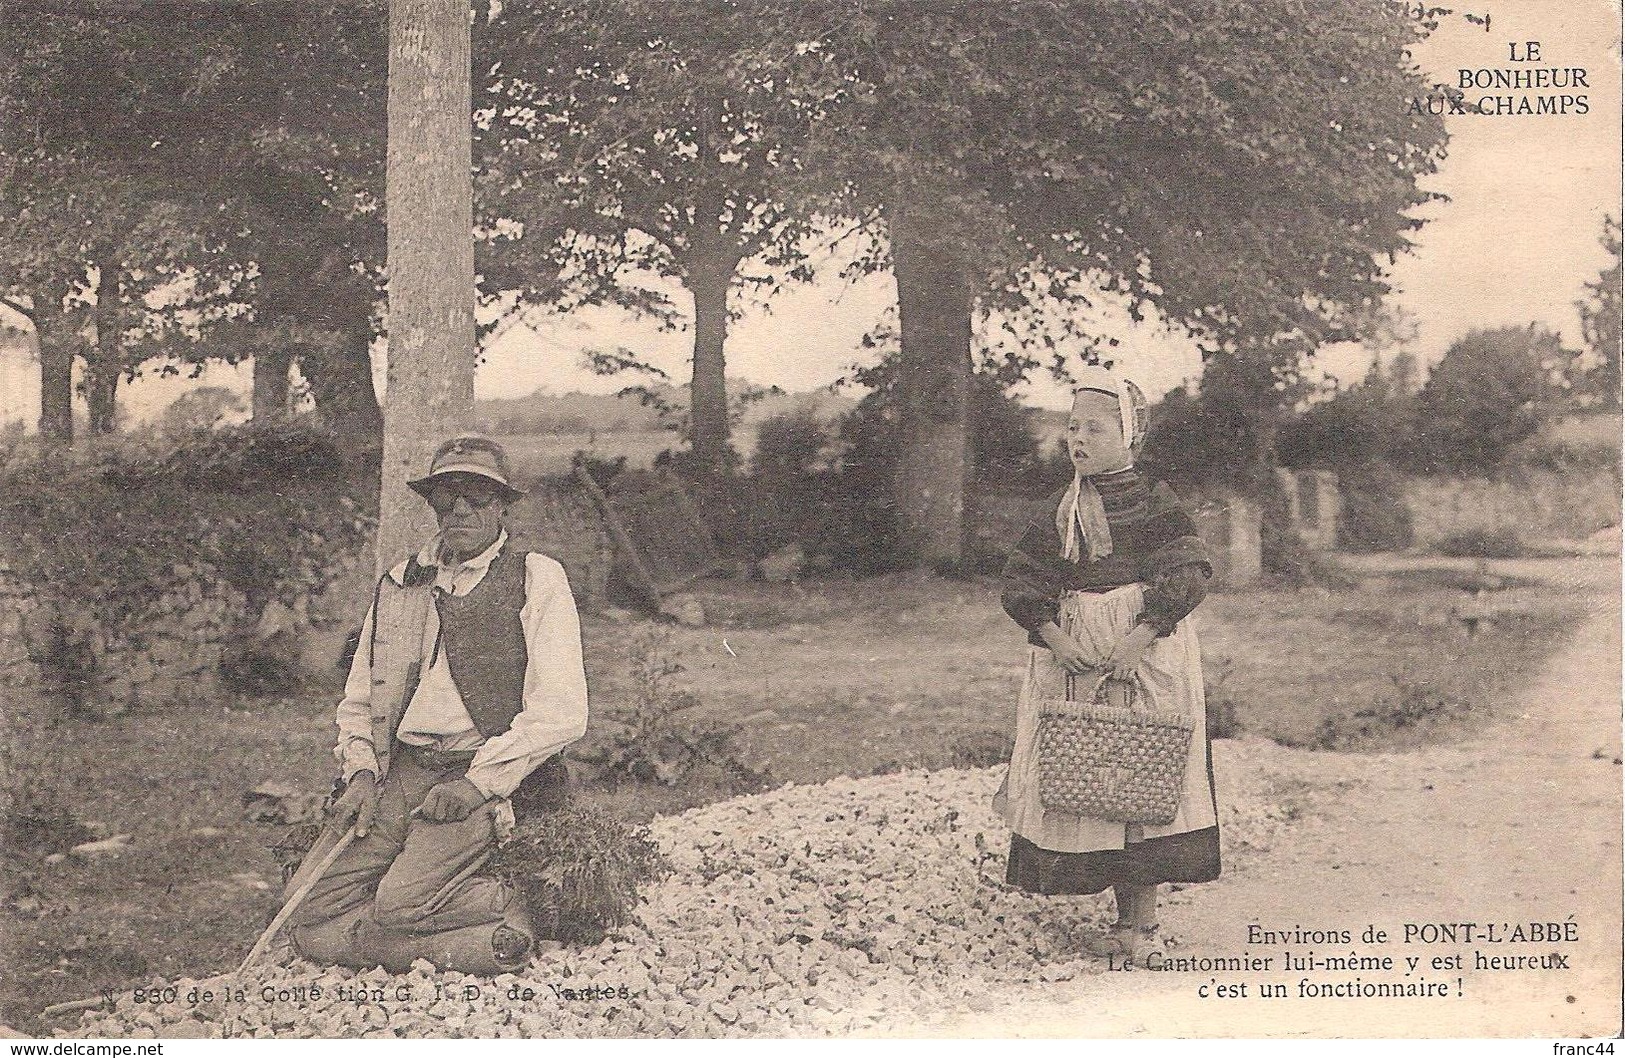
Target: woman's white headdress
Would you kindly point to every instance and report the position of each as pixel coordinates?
(1081, 518)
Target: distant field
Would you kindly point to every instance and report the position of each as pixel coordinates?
(1599, 431)
(535, 455)
(539, 454)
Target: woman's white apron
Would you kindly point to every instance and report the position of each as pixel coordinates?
(1170, 679)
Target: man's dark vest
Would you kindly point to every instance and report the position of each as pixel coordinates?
(484, 643)
(485, 650)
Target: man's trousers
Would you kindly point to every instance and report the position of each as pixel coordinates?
(410, 889)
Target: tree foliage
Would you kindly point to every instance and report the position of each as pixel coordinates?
(111, 251)
(1225, 433)
(1493, 389)
(1245, 168)
(1372, 421)
(648, 138)
(207, 155)
(1600, 319)
(638, 133)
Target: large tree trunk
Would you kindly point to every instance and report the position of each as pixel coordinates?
(341, 385)
(56, 387)
(430, 215)
(321, 314)
(101, 399)
(710, 264)
(270, 398)
(933, 465)
(102, 370)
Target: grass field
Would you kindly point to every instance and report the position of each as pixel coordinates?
(830, 677)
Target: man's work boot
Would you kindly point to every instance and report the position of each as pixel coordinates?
(509, 946)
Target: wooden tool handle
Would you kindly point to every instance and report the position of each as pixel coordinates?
(298, 896)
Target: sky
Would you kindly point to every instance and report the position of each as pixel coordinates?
(1514, 244)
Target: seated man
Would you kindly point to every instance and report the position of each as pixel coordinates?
(467, 678)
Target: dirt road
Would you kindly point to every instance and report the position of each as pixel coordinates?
(1518, 825)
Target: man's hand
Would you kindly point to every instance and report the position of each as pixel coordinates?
(450, 802)
(359, 802)
(1068, 654)
(1126, 654)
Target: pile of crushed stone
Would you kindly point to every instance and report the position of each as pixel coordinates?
(803, 911)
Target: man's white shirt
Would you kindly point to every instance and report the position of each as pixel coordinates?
(553, 713)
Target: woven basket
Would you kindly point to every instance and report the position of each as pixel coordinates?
(1110, 762)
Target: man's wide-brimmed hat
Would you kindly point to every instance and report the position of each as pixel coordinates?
(468, 454)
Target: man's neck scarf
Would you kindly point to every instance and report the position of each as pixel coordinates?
(1080, 520)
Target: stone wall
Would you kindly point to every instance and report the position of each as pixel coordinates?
(1313, 506)
(1536, 504)
(77, 662)
(129, 650)
(23, 704)
(132, 651)
(1231, 526)
(145, 571)
(165, 639)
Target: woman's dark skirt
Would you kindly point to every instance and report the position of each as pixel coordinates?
(1189, 857)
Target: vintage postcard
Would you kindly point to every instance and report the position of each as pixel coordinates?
(838, 519)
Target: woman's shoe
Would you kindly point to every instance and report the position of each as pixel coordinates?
(1120, 943)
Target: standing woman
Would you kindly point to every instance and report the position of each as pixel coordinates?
(1102, 581)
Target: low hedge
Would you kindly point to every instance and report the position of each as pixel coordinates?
(263, 509)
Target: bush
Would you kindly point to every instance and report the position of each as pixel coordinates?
(203, 408)
(227, 522)
(1578, 443)
(794, 494)
(1285, 558)
(1221, 436)
(1375, 514)
(653, 740)
(257, 508)
(792, 445)
(579, 870)
(242, 459)
(1189, 445)
(982, 749)
(1283, 555)
(1482, 543)
(42, 825)
(603, 471)
(833, 494)
(1003, 445)
(1364, 424)
(1493, 390)
(791, 496)
(841, 516)
(259, 669)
